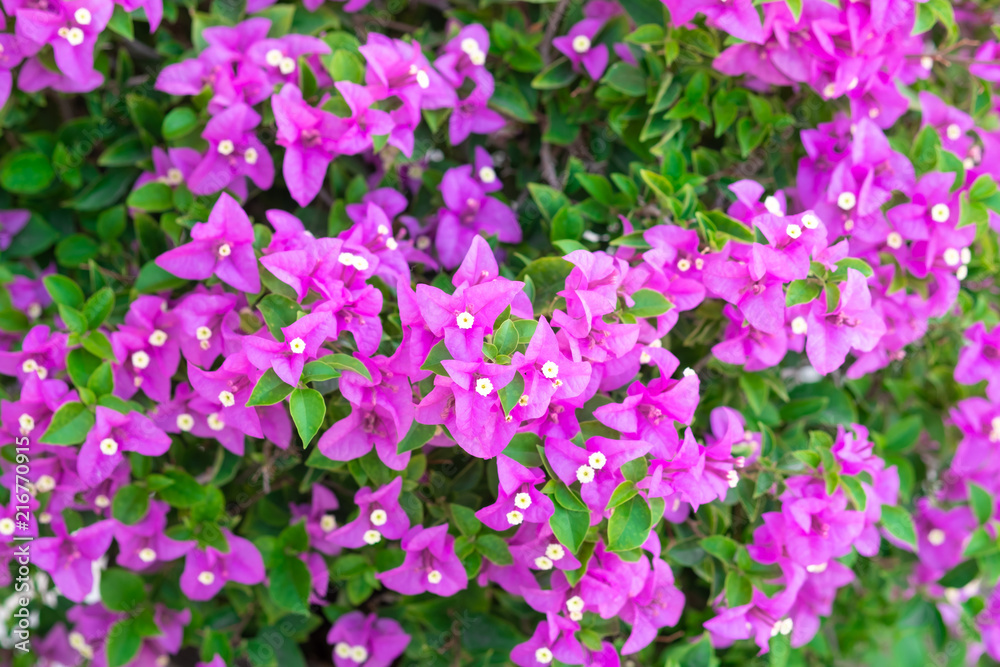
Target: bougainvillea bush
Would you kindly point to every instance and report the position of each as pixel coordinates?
(612, 332)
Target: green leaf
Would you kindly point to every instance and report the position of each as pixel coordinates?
(646, 34)
(111, 223)
(25, 171)
(290, 584)
(153, 197)
(960, 575)
(180, 122)
(506, 338)
(308, 410)
(720, 546)
(63, 290)
(980, 544)
(549, 200)
(101, 381)
(649, 303)
(98, 307)
(794, 6)
(802, 291)
(981, 502)
(569, 527)
(416, 437)
(270, 389)
(437, 354)
(279, 312)
(568, 224)
(626, 79)
(153, 279)
(523, 448)
(130, 504)
(346, 362)
(899, 524)
(123, 643)
(739, 590)
(629, 525)
(566, 498)
(465, 520)
(122, 590)
(70, 425)
(557, 75)
(902, 436)
(495, 549)
(76, 250)
(177, 488)
(102, 193)
(121, 23)
(726, 226)
(623, 492)
(97, 343)
(511, 393)
(855, 492)
(756, 391)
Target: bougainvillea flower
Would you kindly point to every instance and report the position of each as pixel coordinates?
(358, 638)
(207, 570)
(379, 516)
(223, 247)
(234, 151)
(469, 211)
(658, 605)
(430, 566)
(287, 358)
(597, 467)
(69, 557)
(112, 435)
(71, 28)
(578, 46)
(309, 137)
(830, 335)
(554, 639)
(518, 501)
(142, 544)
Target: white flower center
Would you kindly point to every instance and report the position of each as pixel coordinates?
(203, 333)
(585, 474)
(286, 66)
(644, 357)
(423, 80)
(469, 46)
(683, 264)
(434, 577)
(102, 501)
(799, 326)
(487, 175)
(829, 90)
(966, 255)
(206, 578)
(372, 537)
(927, 62)
(810, 221)
(342, 649)
(147, 555)
(894, 240)
(793, 231)
(29, 366)
(378, 517)
(226, 147)
(732, 479)
(940, 213)
(874, 112)
(360, 263)
(359, 654)
(225, 250)
(581, 44)
(936, 537)
(575, 603)
(846, 201)
(6, 526)
(772, 205)
(816, 569)
(158, 338)
(391, 243)
(109, 447)
(523, 401)
(82, 16)
(185, 422)
(689, 372)
(250, 155)
(953, 131)
(478, 58)
(173, 177)
(273, 57)
(423, 242)
(35, 309)
(555, 551)
(484, 387)
(327, 523)
(465, 320)
(227, 399)
(45, 483)
(297, 346)
(27, 423)
(597, 460)
(543, 563)
(952, 257)
(550, 370)
(853, 84)
(544, 655)
(522, 500)
(514, 518)
(74, 36)
(962, 273)
(215, 422)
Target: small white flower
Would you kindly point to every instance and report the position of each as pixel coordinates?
(555, 551)
(966, 255)
(423, 80)
(372, 537)
(45, 483)
(82, 16)
(683, 264)
(391, 243)
(810, 221)
(772, 205)
(147, 555)
(848, 224)
(465, 320)
(203, 333)
(523, 401)
(34, 310)
(543, 563)
(423, 242)
(215, 422)
(250, 155)
(359, 654)
(799, 326)
(936, 537)
(550, 370)
(846, 201)
(158, 338)
(227, 399)
(346, 258)
(597, 460)
(6, 526)
(378, 517)
(793, 231)
(102, 501)
(894, 240)
(487, 175)
(732, 479)
(829, 90)
(940, 213)
(29, 366)
(962, 273)
(342, 649)
(286, 66)
(206, 578)
(478, 58)
(522, 500)
(185, 422)
(109, 447)
(469, 46)
(360, 263)
(817, 568)
(140, 360)
(173, 177)
(515, 518)
(644, 357)
(26, 423)
(689, 372)
(853, 84)
(434, 577)
(874, 112)
(786, 626)
(75, 37)
(927, 62)
(327, 523)
(297, 346)
(273, 57)
(543, 655)
(224, 250)
(575, 603)
(581, 44)
(484, 387)
(585, 474)
(226, 147)
(952, 257)
(953, 132)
